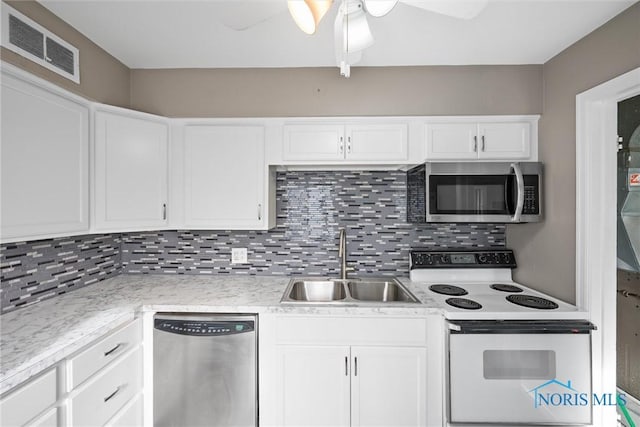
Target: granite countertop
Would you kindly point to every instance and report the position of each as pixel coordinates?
(37, 337)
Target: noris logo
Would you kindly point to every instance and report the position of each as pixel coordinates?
(557, 393)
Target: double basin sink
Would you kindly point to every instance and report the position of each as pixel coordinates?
(347, 291)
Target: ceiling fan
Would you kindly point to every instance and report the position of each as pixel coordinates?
(351, 29)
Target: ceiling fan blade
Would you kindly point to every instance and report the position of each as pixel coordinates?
(463, 9)
(379, 8)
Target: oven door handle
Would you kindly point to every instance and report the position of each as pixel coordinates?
(520, 194)
(520, 326)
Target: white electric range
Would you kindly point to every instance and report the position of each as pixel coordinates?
(478, 285)
(512, 351)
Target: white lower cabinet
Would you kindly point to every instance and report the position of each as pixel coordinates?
(105, 378)
(388, 386)
(99, 400)
(351, 372)
(315, 385)
(99, 385)
(23, 404)
(48, 419)
(130, 415)
(357, 386)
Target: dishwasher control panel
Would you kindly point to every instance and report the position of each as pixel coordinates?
(204, 328)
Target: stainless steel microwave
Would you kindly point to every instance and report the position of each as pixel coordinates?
(496, 192)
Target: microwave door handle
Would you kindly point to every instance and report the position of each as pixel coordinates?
(520, 186)
(507, 194)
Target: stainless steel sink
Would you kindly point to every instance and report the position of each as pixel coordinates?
(381, 291)
(322, 290)
(316, 291)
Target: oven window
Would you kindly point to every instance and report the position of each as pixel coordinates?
(519, 364)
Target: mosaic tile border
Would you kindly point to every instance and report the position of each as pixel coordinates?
(34, 271)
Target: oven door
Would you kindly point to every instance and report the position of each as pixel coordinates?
(520, 372)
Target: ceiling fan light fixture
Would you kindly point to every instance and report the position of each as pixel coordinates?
(357, 32)
(379, 8)
(308, 13)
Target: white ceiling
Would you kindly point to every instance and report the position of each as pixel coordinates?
(197, 34)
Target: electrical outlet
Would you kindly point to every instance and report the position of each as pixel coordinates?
(238, 255)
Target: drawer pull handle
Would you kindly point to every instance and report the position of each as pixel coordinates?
(107, 353)
(106, 399)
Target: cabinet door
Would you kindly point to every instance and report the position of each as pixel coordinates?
(313, 142)
(314, 385)
(44, 167)
(388, 386)
(377, 142)
(504, 140)
(27, 401)
(224, 177)
(130, 172)
(451, 141)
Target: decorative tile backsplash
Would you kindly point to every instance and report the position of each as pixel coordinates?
(34, 271)
(311, 208)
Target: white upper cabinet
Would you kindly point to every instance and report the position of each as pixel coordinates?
(377, 142)
(313, 142)
(487, 138)
(452, 141)
(45, 159)
(225, 178)
(504, 140)
(130, 191)
(338, 143)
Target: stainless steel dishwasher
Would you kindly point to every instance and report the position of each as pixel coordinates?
(205, 370)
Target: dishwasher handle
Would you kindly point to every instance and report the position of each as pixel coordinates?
(204, 328)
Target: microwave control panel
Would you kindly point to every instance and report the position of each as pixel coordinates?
(531, 205)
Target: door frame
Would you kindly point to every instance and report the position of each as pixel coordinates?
(596, 163)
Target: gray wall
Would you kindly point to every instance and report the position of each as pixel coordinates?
(547, 250)
(102, 77)
(269, 92)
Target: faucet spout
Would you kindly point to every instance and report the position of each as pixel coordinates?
(342, 253)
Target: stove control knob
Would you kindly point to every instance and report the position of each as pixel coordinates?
(483, 259)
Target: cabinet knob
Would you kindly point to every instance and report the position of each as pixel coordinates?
(341, 145)
(259, 212)
(164, 211)
(349, 145)
(482, 146)
(475, 143)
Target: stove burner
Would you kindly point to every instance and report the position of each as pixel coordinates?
(448, 290)
(467, 304)
(532, 302)
(502, 287)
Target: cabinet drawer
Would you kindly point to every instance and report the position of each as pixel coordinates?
(351, 330)
(48, 419)
(98, 355)
(107, 392)
(130, 415)
(23, 404)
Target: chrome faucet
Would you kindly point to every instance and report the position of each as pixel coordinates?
(342, 254)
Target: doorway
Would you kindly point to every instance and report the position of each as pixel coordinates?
(596, 230)
(628, 250)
